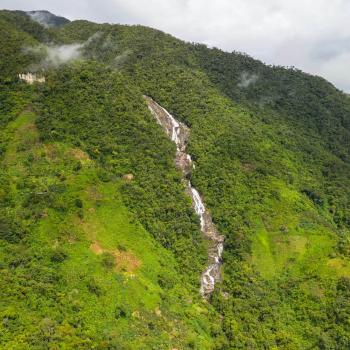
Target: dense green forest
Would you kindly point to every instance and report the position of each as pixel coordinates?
(99, 245)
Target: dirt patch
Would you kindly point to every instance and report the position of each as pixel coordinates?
(79, 155)
(124, 261)
(50, 151)
(29, 127)
(248, 167)
(96, 248)
(94, 194)
(89, 227)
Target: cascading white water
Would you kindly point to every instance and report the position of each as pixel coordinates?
(198, 204)
(175, 129)
(178, 133)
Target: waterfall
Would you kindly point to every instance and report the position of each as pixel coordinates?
(198, 205)
(179, 133)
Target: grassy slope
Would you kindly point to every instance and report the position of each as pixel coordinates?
(278, 192)
(88, 272)
(279, 247)
(79, 269)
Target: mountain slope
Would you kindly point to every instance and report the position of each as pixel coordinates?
(271, 153)
(47, 19)
(75, 260)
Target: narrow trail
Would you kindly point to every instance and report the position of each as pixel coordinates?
(179, 134)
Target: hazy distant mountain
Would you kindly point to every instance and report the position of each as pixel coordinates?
(47, 19)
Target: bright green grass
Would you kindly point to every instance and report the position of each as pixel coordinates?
(80, 300)
(286, 242)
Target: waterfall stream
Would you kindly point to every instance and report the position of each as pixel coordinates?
(179, 133)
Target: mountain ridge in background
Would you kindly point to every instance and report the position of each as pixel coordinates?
(100, 246)
(47, 19)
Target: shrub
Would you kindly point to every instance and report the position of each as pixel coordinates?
(108, 260)
(78, 203)
(10, 231)
(58, 255)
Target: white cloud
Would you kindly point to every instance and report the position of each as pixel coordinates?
(284, 32)
(55, 55)
(337, 68)
(247, 79)
(61, 54)
(41, 18)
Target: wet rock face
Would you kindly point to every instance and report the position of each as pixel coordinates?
(179, 133)
(183, 161)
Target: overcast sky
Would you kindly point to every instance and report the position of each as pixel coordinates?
(313, 35)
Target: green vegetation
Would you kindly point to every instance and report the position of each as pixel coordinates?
(92, 259)
(77, 268)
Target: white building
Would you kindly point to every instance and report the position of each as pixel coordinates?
(31, 78)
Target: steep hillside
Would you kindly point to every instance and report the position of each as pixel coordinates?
(100, 244)
(47, 19)
(78, 270)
